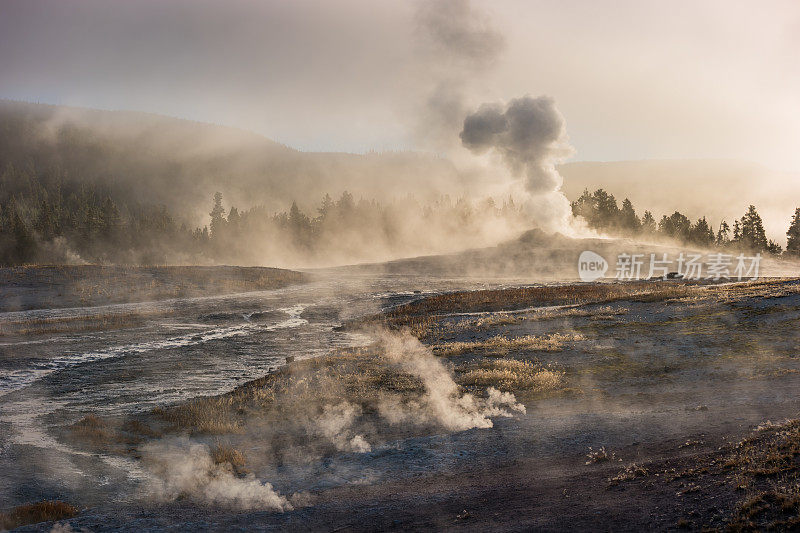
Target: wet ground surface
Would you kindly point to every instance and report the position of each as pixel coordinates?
(174, 350)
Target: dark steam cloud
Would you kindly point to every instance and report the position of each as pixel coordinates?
(529, 135)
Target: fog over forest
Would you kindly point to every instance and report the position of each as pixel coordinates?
(119, 187)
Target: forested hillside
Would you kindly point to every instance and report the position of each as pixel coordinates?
(151, 159)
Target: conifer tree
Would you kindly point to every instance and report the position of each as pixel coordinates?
(648, 222)
(723, 234)
(793, 235)
(217, 216)
(753, 236)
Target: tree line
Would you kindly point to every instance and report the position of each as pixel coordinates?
(349, 230)
(48, 219)
(601, 212)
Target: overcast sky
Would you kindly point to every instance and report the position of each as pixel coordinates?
(633, 80)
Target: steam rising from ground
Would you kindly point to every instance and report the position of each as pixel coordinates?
(185, 468)
(181, 467)
(335, 424)
(442, 403)
(397, 205)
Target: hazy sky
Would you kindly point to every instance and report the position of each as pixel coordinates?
(632, 79)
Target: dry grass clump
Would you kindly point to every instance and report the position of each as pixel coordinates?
(510, 375)
(493, 320)
(110, 436)
(358, 376)
(500, 345)
(33, 513)
(137, 427)
(525, 298)
(764, 288)
(768, 511)
(230, 457)
(596, 313)
(579, 312)
(630, 472)
(601, 455)
(418, 326)
(225, 453)
(772, 451)
(767, 465)
(213, 415)
(93, 429)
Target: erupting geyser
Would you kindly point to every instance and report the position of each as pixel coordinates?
(530, 137)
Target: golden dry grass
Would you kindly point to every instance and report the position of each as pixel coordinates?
(600, 455)
(772, 451)
(550, 314)
(510, 375)
(493, 320)
(111, 436)
(423, 314)
(91, 428)
(768, 511)
(630, 472)
(225, 453)
(137, 427)
(33, 513)
(765, 288)
(765, 466)
(500, 345)
(230, 458)
(214, 415)
(358, 376)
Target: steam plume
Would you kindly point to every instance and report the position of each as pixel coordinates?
(334, 425)
(463, 44)
(442, 403)
(185, 468)
(530, 137)
(458, 43)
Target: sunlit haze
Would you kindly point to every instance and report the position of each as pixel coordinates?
(634, 80)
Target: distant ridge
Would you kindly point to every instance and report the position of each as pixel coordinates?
(180, 163)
